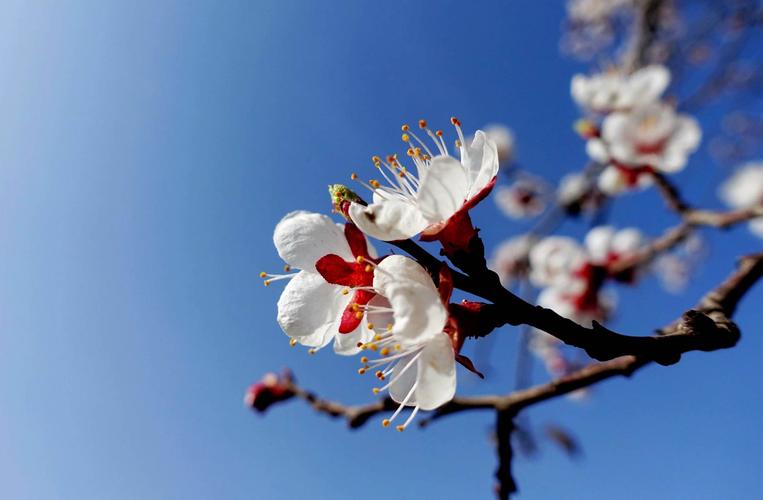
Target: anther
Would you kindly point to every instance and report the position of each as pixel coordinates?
(312, 351)
(405, 128)
(385, 422)
(370, 326)
(375, 390)
(438, 133)
(263, 274)
(384, 351)
(345, 291)
(368, 268)
(405, 138)
(359, 315)
(354, 176)
(364, 359)
(361, 371)
(455, 121)
(359, 259)
(374, 183)
(422, 124)
(266, 282)
(400, 428)
(286, 268)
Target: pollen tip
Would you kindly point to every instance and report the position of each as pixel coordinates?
(361, 371)
(376, 390)
(455, 121)
(266, 282)
(400, 428)
(364, 359)
(263, 274)
(292, 342)
(359, 315)
(286, 268)
(397, 347)
(378, 374)
(359, 259)
(384, 352)
(405, 137)
(373, 347)
(422, 124)
(368, 268)
(370, 326)
(438, 133)
(354, 176)
(312, 351)
(405, 127)
(385, 422)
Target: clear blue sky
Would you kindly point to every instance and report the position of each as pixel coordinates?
(146, 151)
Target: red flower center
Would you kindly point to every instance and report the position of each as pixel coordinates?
(358, 273)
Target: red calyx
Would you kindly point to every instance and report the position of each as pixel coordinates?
(358, 273)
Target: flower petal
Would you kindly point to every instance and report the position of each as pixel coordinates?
(302, 238)
(598, 243)
(417, 311)
(443, 189)
(309, 309)
(436, 374)
(482, 163)
(398, 269)
(346, 344)
(388, 220)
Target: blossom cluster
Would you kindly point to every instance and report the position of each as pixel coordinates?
(631, 130)
(388, 309)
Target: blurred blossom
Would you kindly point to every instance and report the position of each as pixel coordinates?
(577, 192)
(525, 197)
(744, 189)
(595, 11)
(510, 259)
(649, 138)
(615, 90)
(572, 275)
(674, 269)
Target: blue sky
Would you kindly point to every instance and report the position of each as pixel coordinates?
(146, 152)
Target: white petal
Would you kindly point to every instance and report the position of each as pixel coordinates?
(598, 242)
(346, 344)
(597, 151)
(398, 269)
(756, 227)
(646, 85)
(418, 312)
(436, 375)
(483, 163)
(404, 376)
(388, 220)
(554, 260)
(443, 189)
(302, 238)
(310, 307)
(627, 241)
(611, 181)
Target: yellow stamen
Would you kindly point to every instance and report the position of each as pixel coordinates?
(263, 274)
(364, 359)
(384, 351)
(376, 390)
(405, 128)
(400, 428)
(292, 342)
(385, 422)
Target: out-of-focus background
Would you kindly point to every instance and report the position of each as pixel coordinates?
(147, 150)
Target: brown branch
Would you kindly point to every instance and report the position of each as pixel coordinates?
(504, 427)
(355, 416)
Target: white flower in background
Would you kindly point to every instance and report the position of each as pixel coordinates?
(573, 188)
(511, 259)
(320, 302)
(744, 189)
(615, 91)
(651, 136)
(615, 179)
(503, 138)
(674, 269)
(595, 11)
(417, 357)
(443, 186)
(555, 260)
(525, 197)
(572, 276)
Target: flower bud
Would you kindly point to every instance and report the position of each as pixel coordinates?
(271, 389)
(342, 197)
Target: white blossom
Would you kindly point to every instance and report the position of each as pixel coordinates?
(311, 310)
(744, 189)
(616, 91)
(410, 204)
(415, 354)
